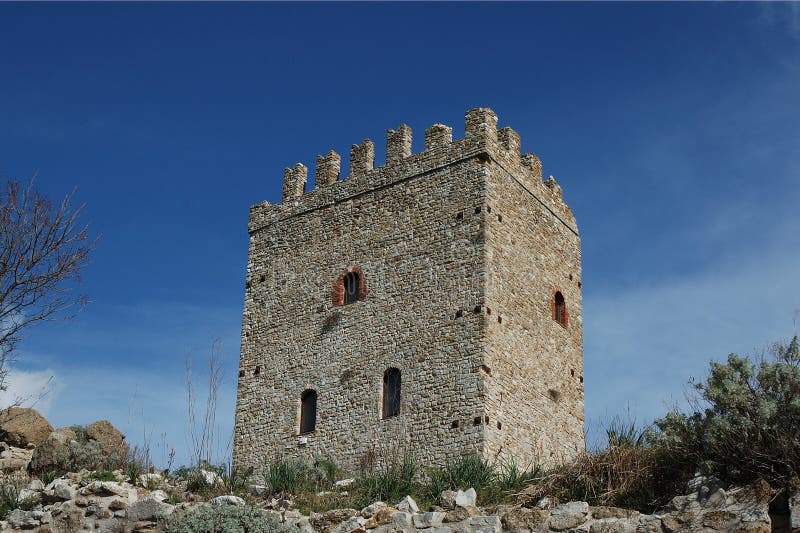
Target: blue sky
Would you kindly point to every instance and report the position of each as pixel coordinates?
(674, 129)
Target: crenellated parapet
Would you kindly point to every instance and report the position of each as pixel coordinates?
(481, 140)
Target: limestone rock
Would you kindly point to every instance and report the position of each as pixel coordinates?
(148, 509)
(370, 510)
(461, 513)
(425, 520)
(326, 522)
(613, 525)
(519, 518)
(228, 499)
(467, 498)
(568, 515)
(20, 426)
(486, 524)
(381, 517)
(108, 438)
(59, 490)
(53, 452)
(408, 505)
(19, 519)
(447, 499)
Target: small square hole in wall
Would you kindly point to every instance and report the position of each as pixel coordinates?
(488, 310)
(241, 373)
(477, 309)
(477, 210)
(263, 278)
(580, 285)
(476, 421)
(247, 284)
(570, 277)
(581, 379)
(454, 424)
(572, 372)
(499, 320)
(499, 218)
(499, 425)
(459, 313)
(459, 215)
(486, 419)
(488, 209)
(257, 371)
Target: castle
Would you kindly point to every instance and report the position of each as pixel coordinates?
(430, 306)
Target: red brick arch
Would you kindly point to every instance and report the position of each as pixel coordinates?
(563, 320)
(338, 287)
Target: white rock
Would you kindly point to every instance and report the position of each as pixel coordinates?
(571, 508)
(402, 520)
(408, 505)
(370, 510)
(466, 498)
(159, 495)
(36, 484)
(227, 499)
(211, 478)
(345, 482)
(60, 489)
(428, 519)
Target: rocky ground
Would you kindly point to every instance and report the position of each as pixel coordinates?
(80, 501)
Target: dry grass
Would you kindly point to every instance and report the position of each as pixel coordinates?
(643, 478)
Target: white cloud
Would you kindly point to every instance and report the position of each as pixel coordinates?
(35, 389)
(644, 344)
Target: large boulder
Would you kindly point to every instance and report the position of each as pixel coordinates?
(21, 426)
(110, 440)
(54, 453)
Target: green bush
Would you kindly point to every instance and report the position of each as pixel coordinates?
(283, 476)
(225, 520)
(747, 424)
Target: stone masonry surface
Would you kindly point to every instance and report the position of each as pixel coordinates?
(460, 251)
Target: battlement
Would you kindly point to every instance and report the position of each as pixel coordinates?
(482, 139)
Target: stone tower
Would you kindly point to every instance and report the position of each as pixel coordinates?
(429, 306)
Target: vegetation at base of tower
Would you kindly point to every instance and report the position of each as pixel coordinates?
(746, 423)
(44, 249)
(226, 519)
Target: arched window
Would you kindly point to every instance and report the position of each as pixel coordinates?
(352, 284)
(391, 393)
(349, 287)
(560, 314)
(308, 411)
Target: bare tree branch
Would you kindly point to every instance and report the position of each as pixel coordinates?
(43, 249)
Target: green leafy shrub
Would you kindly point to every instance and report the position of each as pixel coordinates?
(102, 475)
(747, 421)
(226, 520)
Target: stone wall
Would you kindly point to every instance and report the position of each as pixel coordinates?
(424, 231)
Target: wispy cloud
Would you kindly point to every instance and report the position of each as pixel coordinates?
(37, 389)
(644, 344)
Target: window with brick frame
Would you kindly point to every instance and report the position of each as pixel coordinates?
(560, 313)
(391, 393)
(350, 287)
(308, 411)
